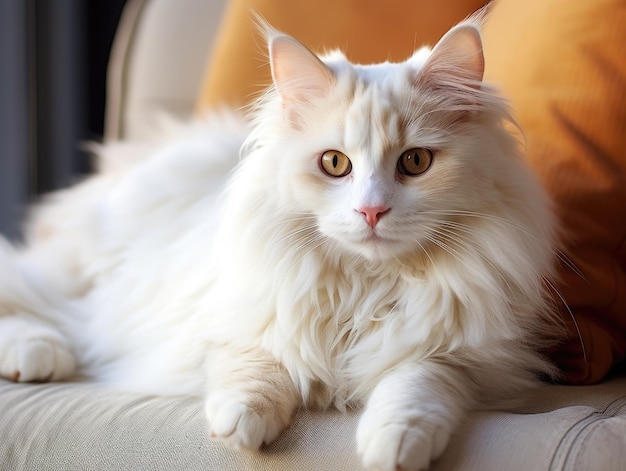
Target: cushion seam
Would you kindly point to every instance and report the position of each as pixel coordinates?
(610, 410)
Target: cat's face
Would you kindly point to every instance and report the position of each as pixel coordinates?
(383, 155)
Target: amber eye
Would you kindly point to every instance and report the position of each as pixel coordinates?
(335, 163)
(415, 161)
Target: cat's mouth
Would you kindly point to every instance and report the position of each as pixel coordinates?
(374, 238)
(374, 243)
(375, 246)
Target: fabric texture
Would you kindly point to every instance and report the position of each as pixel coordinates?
(74, 426)
(562, 65)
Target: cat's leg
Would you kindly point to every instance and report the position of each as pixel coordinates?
(410, 415)
(251, 398)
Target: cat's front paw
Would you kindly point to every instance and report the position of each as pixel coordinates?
(401, 445)
(238, 425)
(30, 352)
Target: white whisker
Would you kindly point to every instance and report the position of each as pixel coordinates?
(571, 314)
(486, 216)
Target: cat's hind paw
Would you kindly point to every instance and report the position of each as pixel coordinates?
(238, 425)
(33, 353)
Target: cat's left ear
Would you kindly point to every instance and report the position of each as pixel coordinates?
(456, 61)
(298, 74)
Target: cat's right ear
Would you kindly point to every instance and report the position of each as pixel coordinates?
(299, 76)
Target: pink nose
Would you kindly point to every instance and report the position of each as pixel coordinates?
(373, 214)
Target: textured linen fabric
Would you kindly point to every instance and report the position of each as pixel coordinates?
(80, 426)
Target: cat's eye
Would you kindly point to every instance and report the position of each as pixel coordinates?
(415, 161)
(335, 163)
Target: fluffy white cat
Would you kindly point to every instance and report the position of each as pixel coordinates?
(379, 244)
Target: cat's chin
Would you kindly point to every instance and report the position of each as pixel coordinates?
(376, 248)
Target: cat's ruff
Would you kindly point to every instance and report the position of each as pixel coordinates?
(403, 273)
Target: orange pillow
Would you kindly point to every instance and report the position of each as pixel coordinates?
(563, 66)
(367, 32)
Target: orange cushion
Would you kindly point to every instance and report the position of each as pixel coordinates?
(563, 66)
(367, 32)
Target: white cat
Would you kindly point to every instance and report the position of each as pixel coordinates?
(380, 244)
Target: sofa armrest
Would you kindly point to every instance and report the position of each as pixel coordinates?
(157, 63)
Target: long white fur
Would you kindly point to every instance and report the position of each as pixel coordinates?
(279, 293)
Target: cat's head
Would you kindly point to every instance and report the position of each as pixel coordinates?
(382, 155)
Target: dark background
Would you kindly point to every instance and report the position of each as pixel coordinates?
(53, 59)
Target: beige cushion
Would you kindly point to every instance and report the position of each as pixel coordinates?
(86, 427)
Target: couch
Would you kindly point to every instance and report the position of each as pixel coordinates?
(156, 68)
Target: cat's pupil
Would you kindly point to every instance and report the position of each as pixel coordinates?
(335, 160)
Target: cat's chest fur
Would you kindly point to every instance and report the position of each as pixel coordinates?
(344, 328)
